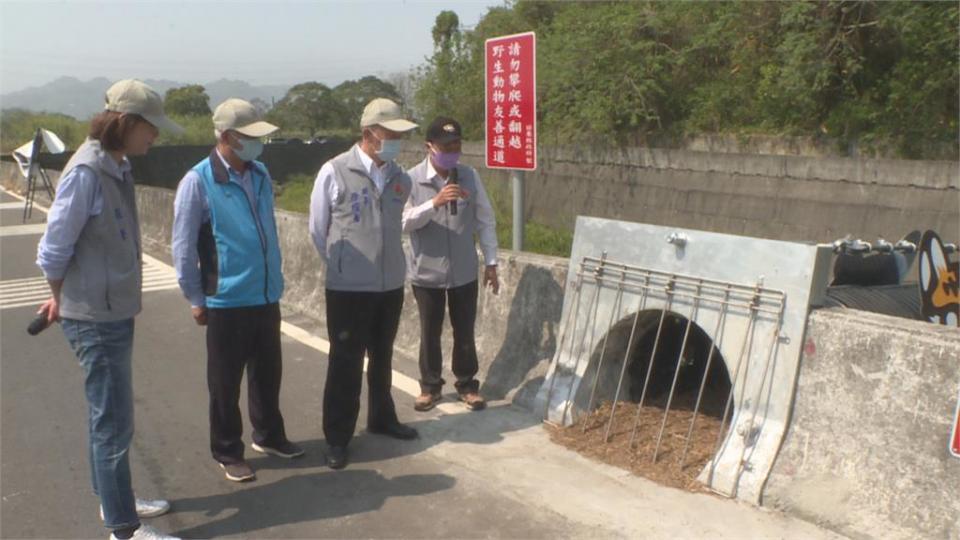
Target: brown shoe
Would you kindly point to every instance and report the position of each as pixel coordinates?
(238, 472)
(473, 400)
(426, 401)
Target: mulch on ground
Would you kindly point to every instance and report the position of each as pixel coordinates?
(639, 458)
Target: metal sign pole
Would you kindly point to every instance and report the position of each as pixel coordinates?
(516, 178)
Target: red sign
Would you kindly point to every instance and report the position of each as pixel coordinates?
(511, 99)
(955, 436)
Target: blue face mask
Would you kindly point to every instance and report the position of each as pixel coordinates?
(250, 149)
(389, 148)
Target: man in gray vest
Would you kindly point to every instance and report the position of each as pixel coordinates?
(447, 208)
(355, 222)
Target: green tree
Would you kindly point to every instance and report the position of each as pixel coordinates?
(18, 126)
(260, 105)
(354, 96)
(860, 71)
(309, 107)
(442, 82)
(191, 100)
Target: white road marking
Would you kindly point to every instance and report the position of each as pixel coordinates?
(22, 230)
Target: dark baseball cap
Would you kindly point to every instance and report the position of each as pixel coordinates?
(443, 130)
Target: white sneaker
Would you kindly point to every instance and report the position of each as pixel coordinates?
(147, 508)
(146, 532)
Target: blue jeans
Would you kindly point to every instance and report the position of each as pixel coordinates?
(104, 350)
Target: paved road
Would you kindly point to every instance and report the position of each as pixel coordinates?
(488, 474)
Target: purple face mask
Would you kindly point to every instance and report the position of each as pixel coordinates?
(445, 160)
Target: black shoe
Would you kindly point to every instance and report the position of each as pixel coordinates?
(337, 457)
(286, 449)
(238, 472)
(395, 430)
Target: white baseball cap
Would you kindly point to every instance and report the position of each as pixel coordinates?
(134, 97)
(241, 116)
(385, 113)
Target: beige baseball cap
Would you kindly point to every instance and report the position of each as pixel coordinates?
(241, 116)
(385, 113)
(134, 97)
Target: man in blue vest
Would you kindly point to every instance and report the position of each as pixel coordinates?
(230, 273)
(355, 222)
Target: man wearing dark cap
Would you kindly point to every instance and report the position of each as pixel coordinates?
(447, 208)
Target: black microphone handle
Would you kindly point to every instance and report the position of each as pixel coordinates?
(453, 180)
(38, 324)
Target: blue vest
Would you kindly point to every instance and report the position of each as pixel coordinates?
(247, 259)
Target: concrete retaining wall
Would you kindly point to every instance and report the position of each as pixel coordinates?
(516, 330)
(867, 449)
(781, 197)
(796, 198)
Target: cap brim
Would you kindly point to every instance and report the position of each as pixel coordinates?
(399, 125)
(163, 123)
(257, 129)
(445, 138)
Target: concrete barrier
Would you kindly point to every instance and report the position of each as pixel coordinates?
(516, 330)
(867, 449)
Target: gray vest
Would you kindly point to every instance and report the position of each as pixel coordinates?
(104, 275)
(364, 243)
(444, 252)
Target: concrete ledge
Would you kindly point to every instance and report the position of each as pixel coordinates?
(866, 452)
(516, 330)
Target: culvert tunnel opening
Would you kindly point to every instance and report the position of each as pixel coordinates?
(682, 368)
(676, 430)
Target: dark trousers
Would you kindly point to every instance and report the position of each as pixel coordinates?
(238, 338)
(432, 303)
(358, 323)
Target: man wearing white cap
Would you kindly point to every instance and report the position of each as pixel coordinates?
(91, 256)
(355, 222)
(227, 257)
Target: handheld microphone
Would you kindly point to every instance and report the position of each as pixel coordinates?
(452, 179)
(38, 324)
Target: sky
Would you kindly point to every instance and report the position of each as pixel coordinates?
(262, 42)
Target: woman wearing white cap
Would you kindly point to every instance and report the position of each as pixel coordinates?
(91, 257)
